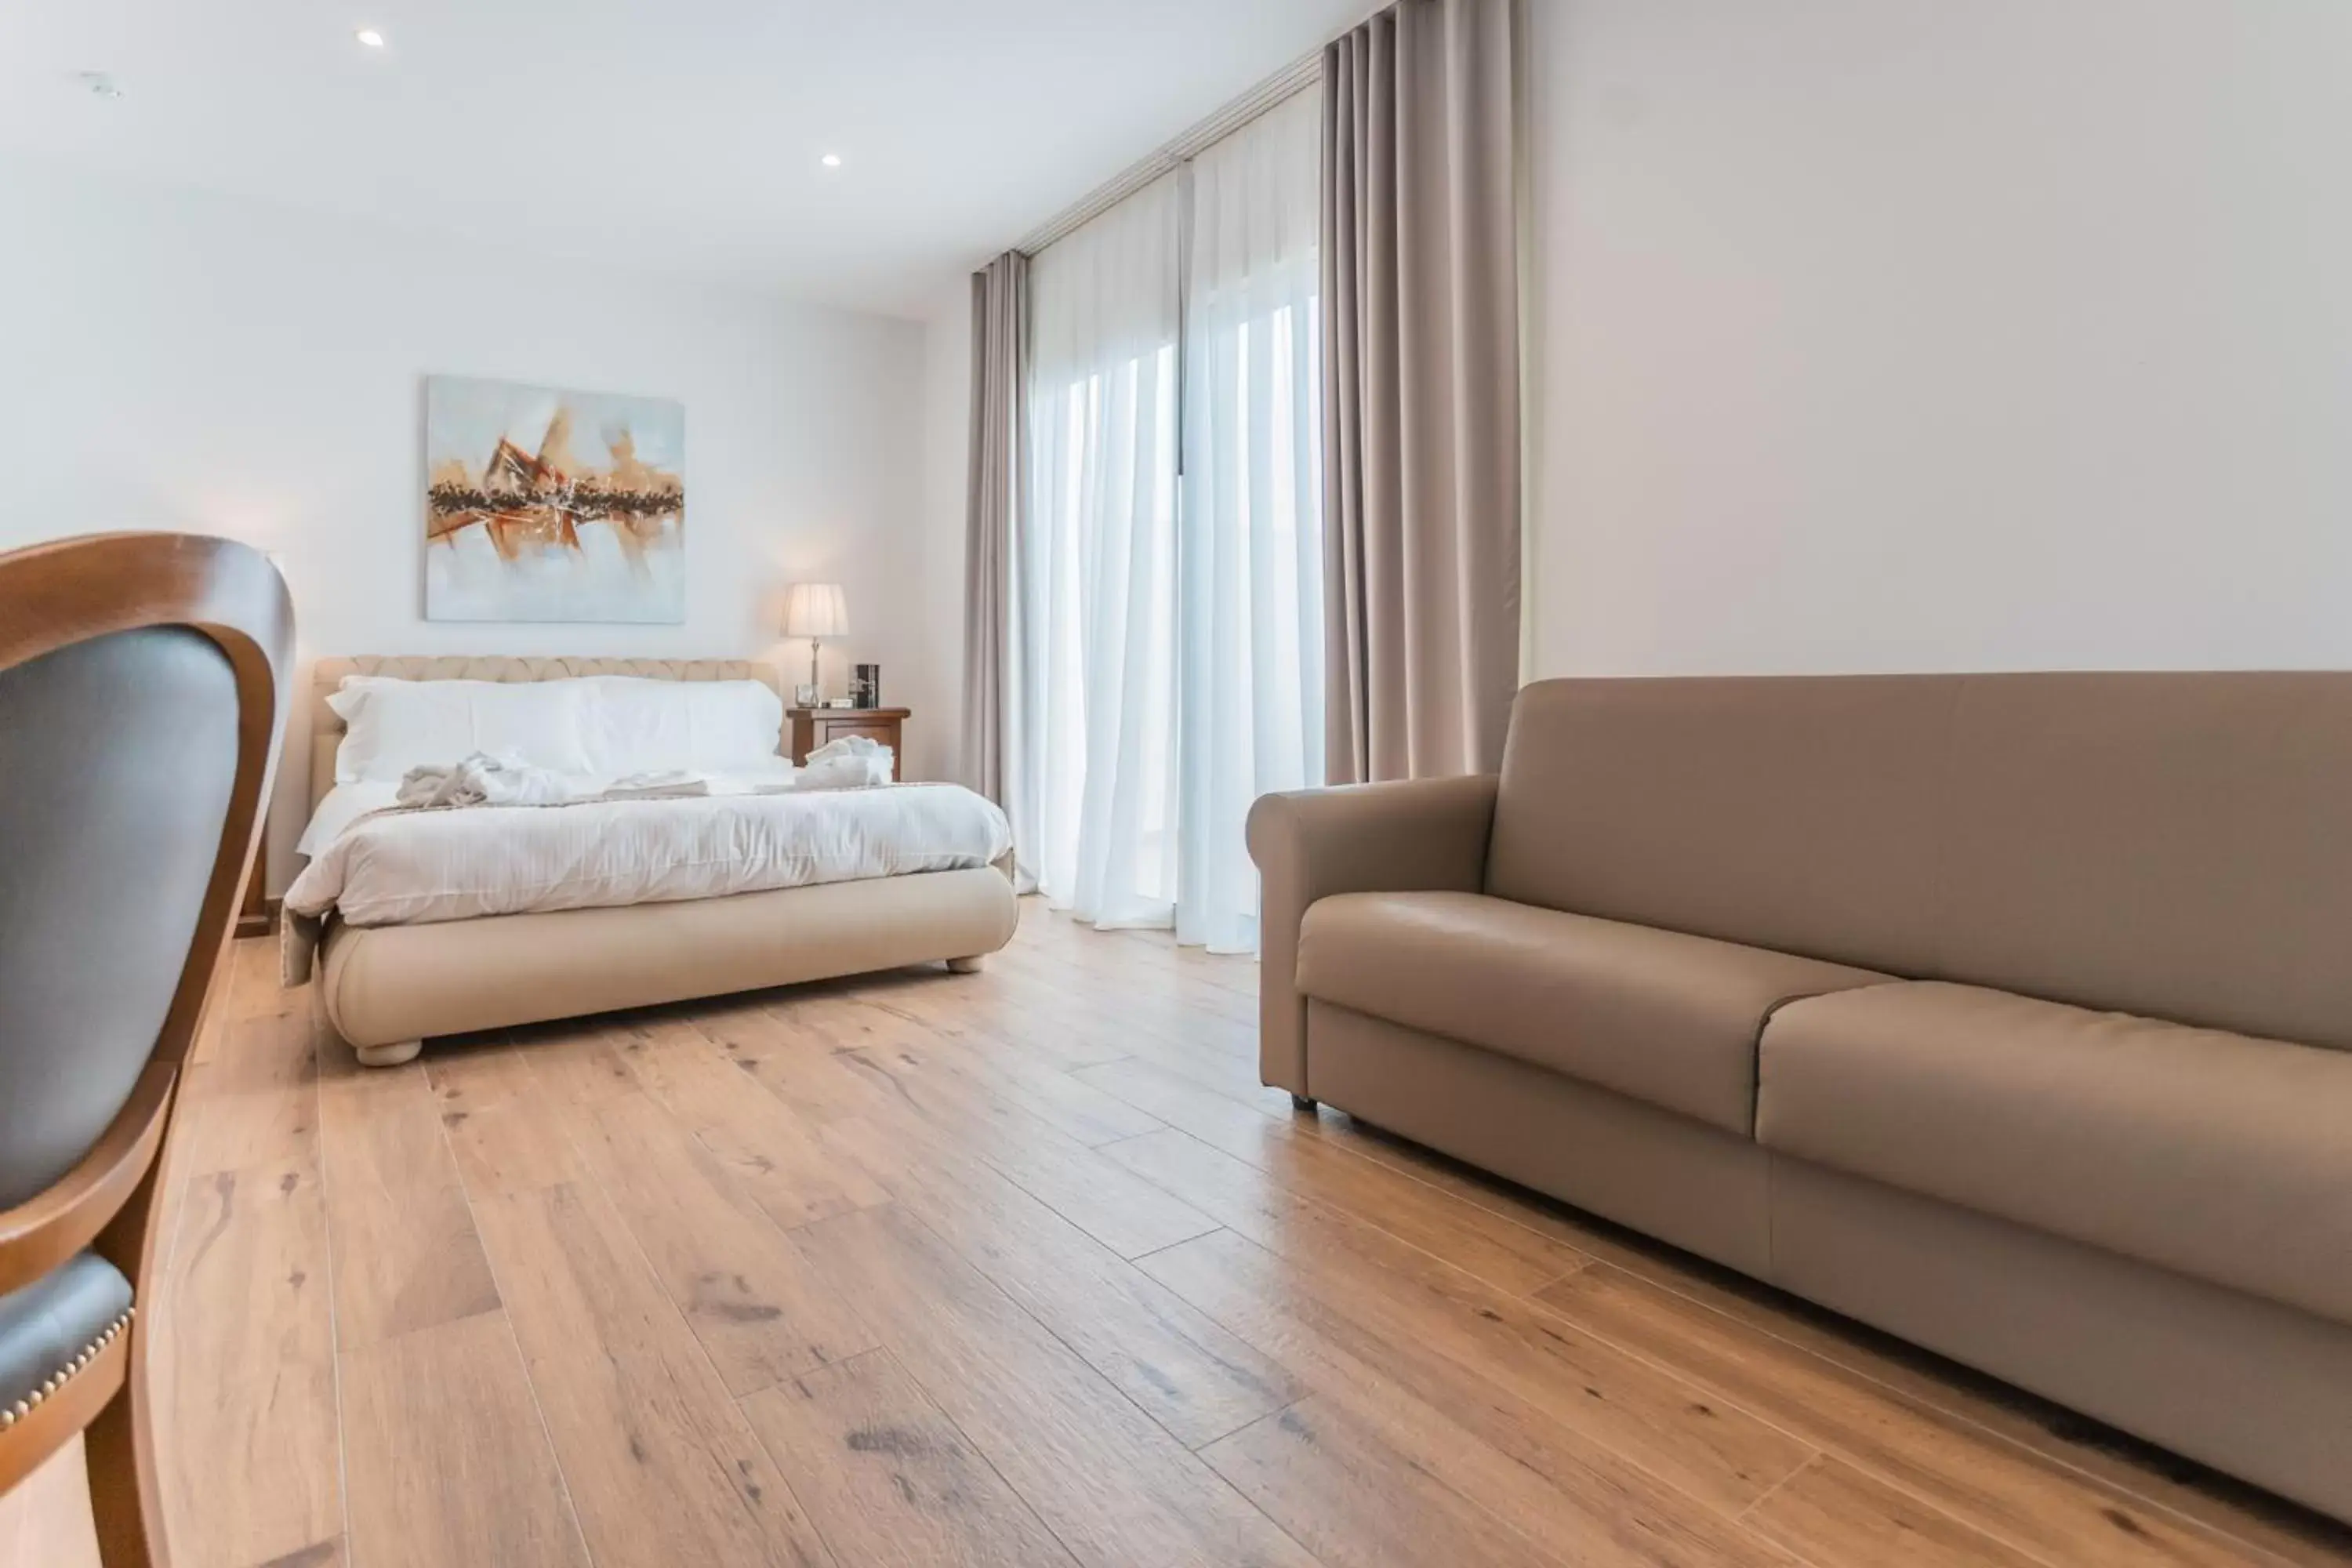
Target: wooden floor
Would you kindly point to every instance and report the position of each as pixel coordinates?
(1018, 1268)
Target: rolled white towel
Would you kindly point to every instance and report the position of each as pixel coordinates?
(854, 762)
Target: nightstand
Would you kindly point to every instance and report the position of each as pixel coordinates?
(815, 727)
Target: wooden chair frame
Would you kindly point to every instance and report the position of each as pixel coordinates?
(56, 595)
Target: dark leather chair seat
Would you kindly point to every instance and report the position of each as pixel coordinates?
(45, 1325)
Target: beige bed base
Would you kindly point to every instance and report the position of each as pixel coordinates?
(386, 989)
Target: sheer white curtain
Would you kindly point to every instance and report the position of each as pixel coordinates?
(1094, 814)
(1169, 630)
(1250, 551)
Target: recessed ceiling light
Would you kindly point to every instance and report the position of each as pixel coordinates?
(831, 160)
(370, 37)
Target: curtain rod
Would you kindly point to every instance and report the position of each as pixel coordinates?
(1292, 79)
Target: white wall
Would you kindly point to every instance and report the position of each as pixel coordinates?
(1925, 334)
(182, 361)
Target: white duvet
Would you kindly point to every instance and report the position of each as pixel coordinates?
(372, 866)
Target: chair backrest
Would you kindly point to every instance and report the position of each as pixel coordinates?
(143, 683)
(2177, 846)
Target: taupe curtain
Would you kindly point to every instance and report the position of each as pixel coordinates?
(1421, 392)
(1000, 315)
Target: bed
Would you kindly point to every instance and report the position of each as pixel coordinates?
(391, 978)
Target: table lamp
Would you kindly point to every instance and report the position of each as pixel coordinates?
(815, 610)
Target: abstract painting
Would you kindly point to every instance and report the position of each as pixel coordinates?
(544, 505)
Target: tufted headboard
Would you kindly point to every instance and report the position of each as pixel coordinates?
(327, 729)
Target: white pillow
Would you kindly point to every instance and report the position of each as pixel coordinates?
(638, 725)
(394, 725)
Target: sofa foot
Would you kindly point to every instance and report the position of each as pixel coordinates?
(391, 1056)
(1302, 1103)
(967, 965)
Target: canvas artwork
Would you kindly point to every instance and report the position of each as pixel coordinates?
(545, 505)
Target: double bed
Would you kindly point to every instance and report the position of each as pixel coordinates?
(415, 925)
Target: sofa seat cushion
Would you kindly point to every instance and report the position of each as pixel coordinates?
(1661, 1017)
(2222, 1156)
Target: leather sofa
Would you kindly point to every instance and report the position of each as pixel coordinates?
(2010, 1014)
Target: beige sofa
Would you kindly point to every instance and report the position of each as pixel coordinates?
(2010, 1014)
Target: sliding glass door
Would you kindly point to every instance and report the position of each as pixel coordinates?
(1250, 548)
(1168, 624)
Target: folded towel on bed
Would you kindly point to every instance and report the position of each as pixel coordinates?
(483, 779)
(663, 783)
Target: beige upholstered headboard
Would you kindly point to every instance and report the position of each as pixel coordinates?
(327, 729)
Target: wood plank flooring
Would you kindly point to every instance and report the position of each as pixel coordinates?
(1018, 1269)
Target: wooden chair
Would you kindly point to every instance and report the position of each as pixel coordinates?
(144, 682)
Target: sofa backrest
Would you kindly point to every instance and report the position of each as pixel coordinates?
(2177, 846)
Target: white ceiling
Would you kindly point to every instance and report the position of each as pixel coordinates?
(676, 136)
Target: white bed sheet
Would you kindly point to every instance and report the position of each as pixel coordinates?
(414, 867)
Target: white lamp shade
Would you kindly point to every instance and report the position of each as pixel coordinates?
(816, 610)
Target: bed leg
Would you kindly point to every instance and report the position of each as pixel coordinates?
(966, 966)
(391, 1056)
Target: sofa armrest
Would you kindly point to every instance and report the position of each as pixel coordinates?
(1421, 835)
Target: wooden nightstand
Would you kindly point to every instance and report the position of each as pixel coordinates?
(815, 727)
